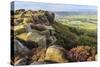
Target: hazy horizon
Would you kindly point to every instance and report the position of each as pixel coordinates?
(52, 6)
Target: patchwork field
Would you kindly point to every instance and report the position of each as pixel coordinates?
(84, 26)
(86, 22)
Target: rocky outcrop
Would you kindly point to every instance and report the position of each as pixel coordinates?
(36, 17)
(36, 32)
(32, 30)
(32, 25)
(19, 11)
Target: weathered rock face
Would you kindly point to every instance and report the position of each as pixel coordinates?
(31, 26)
(19, 11)
(36, 17)
(56, 54)
(19, 29)
(50, 16)
(32, 30)
(20, 48)
(33, 39)
(82, 53)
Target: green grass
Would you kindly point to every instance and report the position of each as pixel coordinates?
(86, 22)
(82, 26)
(64, 36)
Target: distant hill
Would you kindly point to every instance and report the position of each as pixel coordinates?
(69, 13)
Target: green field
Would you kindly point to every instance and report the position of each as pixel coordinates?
(84, 26)
(86, 22)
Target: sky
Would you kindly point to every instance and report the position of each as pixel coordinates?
(52, 7)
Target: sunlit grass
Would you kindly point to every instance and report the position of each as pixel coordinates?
(87, 22)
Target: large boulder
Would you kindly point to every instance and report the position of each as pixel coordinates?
(56, 53)
(19, 48)
(33, 37)
(40, 18)
(50, 16)
(27, 20)
(39, 27)
(19, 29)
